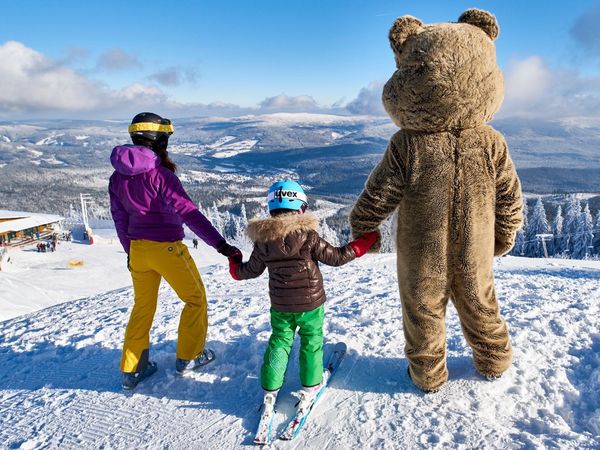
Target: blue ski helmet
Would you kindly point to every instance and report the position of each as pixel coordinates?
(287, 194)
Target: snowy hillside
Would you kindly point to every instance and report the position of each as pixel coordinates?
(60, 384)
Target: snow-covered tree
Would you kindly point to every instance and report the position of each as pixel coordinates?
(538, 225)
(570, 224)
(557, 230)
(584, 235)
(243, 215)
(215, 218)
(240, 238)
(519, 248)
(329, 234)
(596, 240)
(388, 234)
(229, 224)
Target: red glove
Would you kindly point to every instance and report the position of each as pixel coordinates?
(363, 243)
(233, 268)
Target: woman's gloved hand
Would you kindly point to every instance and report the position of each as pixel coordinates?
(230, 251)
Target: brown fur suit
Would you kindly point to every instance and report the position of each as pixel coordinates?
(453, 183)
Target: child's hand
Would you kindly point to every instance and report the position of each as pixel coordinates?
(234, 265)
(363, 243)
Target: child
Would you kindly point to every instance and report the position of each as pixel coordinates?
(289, 245)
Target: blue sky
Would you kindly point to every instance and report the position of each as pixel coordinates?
(237, 56)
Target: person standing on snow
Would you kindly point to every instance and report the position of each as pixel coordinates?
(289, 245)
(149, 206)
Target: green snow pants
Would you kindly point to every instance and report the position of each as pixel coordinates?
(284, 326)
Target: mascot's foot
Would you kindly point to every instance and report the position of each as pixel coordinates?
(427, 391)
(490, 376)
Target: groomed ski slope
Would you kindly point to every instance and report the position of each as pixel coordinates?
(60, 384)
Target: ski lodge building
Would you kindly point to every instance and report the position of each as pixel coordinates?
(20, 228)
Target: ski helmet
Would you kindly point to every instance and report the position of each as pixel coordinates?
(151, 128)
(288, 195)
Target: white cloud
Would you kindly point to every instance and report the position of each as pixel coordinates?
(283, 102)
(527, 80)
(30, 81)
(34, 85)
(368, 100)
(535, 90)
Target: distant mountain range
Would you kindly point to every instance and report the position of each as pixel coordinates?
(51, 160)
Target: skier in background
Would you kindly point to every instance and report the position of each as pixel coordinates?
(149, 206)
(289, 245)
(195, 242)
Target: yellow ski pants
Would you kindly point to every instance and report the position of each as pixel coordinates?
(148, 262)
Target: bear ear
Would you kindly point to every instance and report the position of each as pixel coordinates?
(482, 19)
(403, 28)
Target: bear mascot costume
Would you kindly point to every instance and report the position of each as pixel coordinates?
(453, 184)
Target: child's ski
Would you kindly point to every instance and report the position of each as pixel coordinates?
(263, 432)
(304, 408)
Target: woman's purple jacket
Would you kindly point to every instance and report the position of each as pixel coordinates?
(147, 200)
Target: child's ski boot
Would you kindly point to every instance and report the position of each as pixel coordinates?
(265, 424)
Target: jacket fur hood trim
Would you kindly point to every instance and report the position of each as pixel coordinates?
(273, 228)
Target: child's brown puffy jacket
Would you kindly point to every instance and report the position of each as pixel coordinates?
(291, 248)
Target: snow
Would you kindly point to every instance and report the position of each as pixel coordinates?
(52, 161)
(236, 148)
(33, 281)
(60, 384)
(221, 141)
(50, 140)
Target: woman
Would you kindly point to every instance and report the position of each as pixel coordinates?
(149, 206)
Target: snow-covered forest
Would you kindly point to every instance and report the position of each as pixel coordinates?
(571, 232)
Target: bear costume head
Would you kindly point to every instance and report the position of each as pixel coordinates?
(446, 77)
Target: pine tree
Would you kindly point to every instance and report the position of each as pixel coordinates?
(329, 234)
(216, 218)
(519, 247)
(241, 239)
(557, 230)
(388, 238)
(584, 235)
(244, 216)
(229, 224)
(596, 240)
(570, 224)
(538, 225)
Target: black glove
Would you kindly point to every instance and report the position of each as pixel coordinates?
(230, 251)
